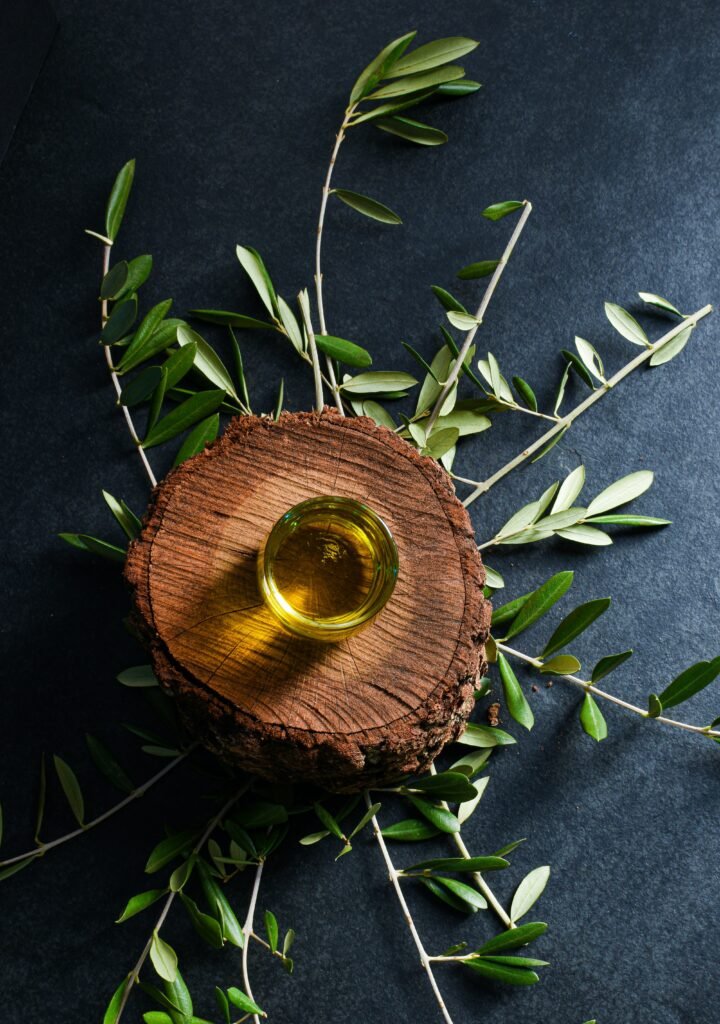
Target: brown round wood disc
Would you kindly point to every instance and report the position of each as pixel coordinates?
(369, 708)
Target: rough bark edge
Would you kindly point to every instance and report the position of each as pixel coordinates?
(341, 762)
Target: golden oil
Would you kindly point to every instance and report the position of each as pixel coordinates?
(327, 568)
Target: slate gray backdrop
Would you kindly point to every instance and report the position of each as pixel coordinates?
(606, 116)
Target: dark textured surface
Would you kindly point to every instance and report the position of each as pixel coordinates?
(606, 116)
(27, 28)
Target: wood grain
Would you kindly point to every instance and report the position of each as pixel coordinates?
(371, 707)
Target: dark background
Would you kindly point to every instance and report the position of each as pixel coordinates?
(606, 116)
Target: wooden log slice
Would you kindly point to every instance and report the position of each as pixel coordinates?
(364, 710)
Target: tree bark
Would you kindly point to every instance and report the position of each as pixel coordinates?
(365, 710)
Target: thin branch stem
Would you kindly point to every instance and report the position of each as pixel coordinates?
(248, 931)
(116, 383)
(304, 307)
(565, 421)
(482, 308)
(588, 687)
(318, 253)
(477, 877)
(42, 849)
(393, 875)
(135, 972)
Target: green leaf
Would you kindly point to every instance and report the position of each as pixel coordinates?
(13, 869)
(71, 788)
(260, 814)
(378, 381)
(590, 358)
(474, 271)
(367, 206)
(365, 820)
(412, 830)
(493, 578)
(582, 534)
(529, 892)
(485, 736)
(671, 348)
(120, 321)
(207, 927)
(441, 441)
(471, 764)
(129, 522)
(392, 106)
(204, 433)
(468, 806)
(228, 319)
(690, 682)
(207, 361)
(168, 849)
(328, 821)
(540, 602)
(461, 87)
(163, 957)
(513, 938)
(515, 699)
(500, 972)
(139, 271)
(106, 763)
(292, 327)
(440, 817)
(659, 302)
(608, 664)
(575, 623)
(462, 896)
(243, 1002)
(432, 55)
(185, 415)
(526, 393)
(462, 321)
(223, 1004)
(499, 210)
(179, 363)
(157, 401)
(561, 665)
(141, 387)
(379, 66)
(630, 520)
(378, 413)
(570, 489)
(111, 1013)
(575, 362)
(626, 324)
(271, 929)
(252, 264)
(461, 865)
(217, 900)
(114, 281)
(84, 542)
(136, 904)
(118, 199)
(161, 338)
(508, 611)
(157, 1017)
(446, 300)
(655, 708)
(418, 82)
(181, 875)
(412, 131)
(447, 785)
(143, 335)
(437, 371)
(591, 718)
(344, 351)
(141, 676)
(626, 489)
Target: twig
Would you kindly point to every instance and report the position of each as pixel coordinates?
(588, 687)
(305, 309)
(318, 254)
(477, 877)
(135, 972)
(482, 308)
(118, 390)
(393, 875)
(42, 849)
(248, 931)
(565, 421)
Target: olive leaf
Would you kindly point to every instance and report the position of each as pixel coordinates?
(432, 55)
(540, 602)
(667, 351)
(515, 699)
(417, 82)
(529, 892)
(412, 131)
(207, 361)
(499, 210)
(163, 957)
(185, 415)
(117, 201)
(71, 788)
(379, 66)
(626, 324)
(474, 271)
(367, 206)
(252, 264)
(591, 718)
(575, 623)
